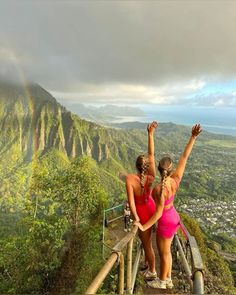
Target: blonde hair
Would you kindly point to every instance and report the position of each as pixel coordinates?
(142, 165)
(165, 169)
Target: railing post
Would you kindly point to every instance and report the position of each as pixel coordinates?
(198, 282)
(135, 267)
(92, 289)
(121, 275)
(103, 235)
(184, 260)
(129, 266)
(117, 255)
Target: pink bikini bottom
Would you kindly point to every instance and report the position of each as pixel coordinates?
(168, 223)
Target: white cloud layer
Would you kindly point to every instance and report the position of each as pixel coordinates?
(130, 93)
(121, 51)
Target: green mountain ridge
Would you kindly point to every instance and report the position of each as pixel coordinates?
(38, 132)
(36, 122)
(32, 123)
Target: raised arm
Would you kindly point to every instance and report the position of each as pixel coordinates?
(151, 128)
(130, 194)
(196, 130)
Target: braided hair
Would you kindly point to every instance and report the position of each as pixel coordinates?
(142, 165)
(165, 169)
(163, 185)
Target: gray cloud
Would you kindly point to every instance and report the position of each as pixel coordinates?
(217, 99)
(67, 45)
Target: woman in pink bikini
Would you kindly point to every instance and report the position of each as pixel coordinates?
(142, 205)
(167, 216)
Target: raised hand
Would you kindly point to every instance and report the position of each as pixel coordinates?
(152, 126)
(196, 130)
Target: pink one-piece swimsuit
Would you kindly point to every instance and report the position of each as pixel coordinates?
(145, 205)
(169, 222)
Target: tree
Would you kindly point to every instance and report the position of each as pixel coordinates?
(55, 224)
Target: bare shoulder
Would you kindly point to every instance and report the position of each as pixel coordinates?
(130, 177)
(156, 193)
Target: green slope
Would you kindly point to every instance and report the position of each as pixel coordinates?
(36, 132)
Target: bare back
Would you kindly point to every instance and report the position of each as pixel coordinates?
(170, 190)
(134, 181)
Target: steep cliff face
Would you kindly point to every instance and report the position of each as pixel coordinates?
(32, 120)
(33, 123)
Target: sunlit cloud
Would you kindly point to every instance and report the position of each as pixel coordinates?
(133, 94)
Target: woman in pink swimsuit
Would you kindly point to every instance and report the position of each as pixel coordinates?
(142, 205)
(168, 218)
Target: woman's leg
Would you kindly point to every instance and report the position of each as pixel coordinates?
(146, 238)
(170, 266)
(164, 249)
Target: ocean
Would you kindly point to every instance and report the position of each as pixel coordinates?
(219, 120)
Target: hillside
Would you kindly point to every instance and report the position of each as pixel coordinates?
(34, 125)
(38, 140)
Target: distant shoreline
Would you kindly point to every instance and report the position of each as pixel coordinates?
(218, 120)
(217, 129)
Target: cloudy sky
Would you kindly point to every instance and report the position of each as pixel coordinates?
(146, 52)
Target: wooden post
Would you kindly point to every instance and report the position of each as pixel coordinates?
(121, 275)
(127, 240)
(129, 266)
(135, 267)
(92, 289)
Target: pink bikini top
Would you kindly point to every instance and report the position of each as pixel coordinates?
(145, 196)
(170, 199)
(147, 192)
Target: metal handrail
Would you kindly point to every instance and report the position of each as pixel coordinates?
(117, 256)
(195, 274)
(184, 260)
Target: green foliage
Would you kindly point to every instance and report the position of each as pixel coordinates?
(194, 229)
(46, 199)
(218, 278)
(227, 243)
(90, 257)
(59, 205)
(75, 192)
(28, 261)
(220, 271)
